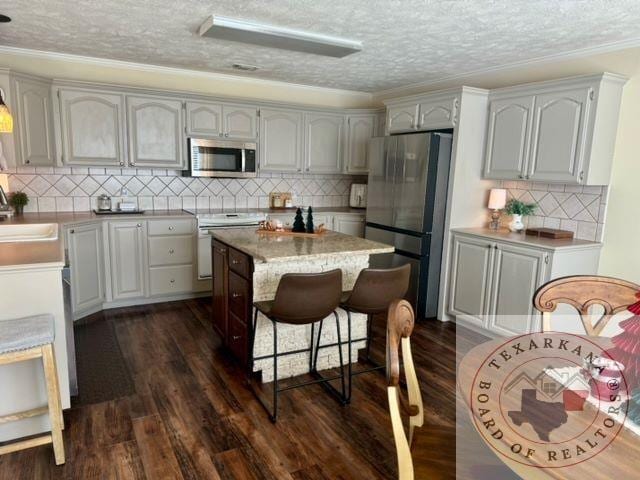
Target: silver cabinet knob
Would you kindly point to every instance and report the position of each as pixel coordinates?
(139, 225)
(235, 262)
(226, 134)
(171, 251)
(235, 295)
(72, 231)
(170, 227)
(122, 164)
(173, 280)
(236, 337)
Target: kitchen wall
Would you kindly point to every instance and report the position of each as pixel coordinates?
(579, 209)
(77, 189)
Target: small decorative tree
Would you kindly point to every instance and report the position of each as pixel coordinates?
(298, 222)
(310, 227)
(18, 200)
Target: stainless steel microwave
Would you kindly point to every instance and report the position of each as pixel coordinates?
(220, 158)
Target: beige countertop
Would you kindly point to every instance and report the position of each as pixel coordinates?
(281, 211)
(285, 248)
(505, 235)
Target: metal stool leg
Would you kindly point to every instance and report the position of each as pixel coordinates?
(252, 340)
(368, 348)
(342, 379)
(315, 354)
(275, 372)
(349, 366)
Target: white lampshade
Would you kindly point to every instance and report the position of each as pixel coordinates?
(497, 198)
(4, 182)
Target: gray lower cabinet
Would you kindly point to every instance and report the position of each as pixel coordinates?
(281, 139)
(156, 127)
(86, 262)
(517, 274)
(92, 127)
(471, 270)
(35, 133)
(127, 259)
(349, 224)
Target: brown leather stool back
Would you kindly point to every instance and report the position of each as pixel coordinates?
(304, 298)
(375, 289)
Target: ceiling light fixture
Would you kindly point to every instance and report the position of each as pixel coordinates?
(4, 19)
(243, 67)
(225, 28)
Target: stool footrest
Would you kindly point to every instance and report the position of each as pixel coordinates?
(28, 443)
(34, 412)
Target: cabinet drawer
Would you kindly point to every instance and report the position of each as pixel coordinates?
(240, 263)
(168, 280)
(239, 295)
(183, 226)
(238, 338)
(170, 250)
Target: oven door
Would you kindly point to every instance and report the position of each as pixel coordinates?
(214, 158)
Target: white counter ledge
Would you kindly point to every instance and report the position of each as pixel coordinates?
(505, 235)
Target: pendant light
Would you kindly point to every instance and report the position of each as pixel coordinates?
(6, 120)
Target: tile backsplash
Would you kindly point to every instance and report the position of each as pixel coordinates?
(76, 189)
(579, 209)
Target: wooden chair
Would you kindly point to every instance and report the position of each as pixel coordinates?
(582, 292)
(26, 339)
(425, 452)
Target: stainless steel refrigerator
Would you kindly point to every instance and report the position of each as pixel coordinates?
(406, 206)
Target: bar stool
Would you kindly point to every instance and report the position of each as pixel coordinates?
(301, 299)
(372, 294)
(25, 339)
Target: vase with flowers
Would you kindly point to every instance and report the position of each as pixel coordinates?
(518, 210)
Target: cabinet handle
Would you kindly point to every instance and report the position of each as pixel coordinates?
(546, 258)
(222, 250)
(226, 134)
(171, 251)
(527, 177)
(72, 231)
(581, 177)
(489, 246)
(139, 225)
(235, 262)
(235, 295)
(495, 247)
(27, 162)
(236, 337)
(308, 169)
(173, 280)
(520, 176)
(122, 164)
(299, 169)
(170, 227)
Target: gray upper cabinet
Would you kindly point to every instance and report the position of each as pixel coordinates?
(402, 118)
(240, 121)
(558, 132)
(35, 131)
(156, 129)
(281, 138)
(561, 131)
(204, 119)
(221, 120)
(323, 142)
(437, 113)
(92, 127)
(517, 274)
(508, 135)
(360, 128)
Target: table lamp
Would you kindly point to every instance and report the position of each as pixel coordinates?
(497, 201)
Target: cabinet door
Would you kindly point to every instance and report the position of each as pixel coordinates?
(471, 279)
(439, 113)
(126, 252)
(220, 269)
(92, 126)
(280, 141)
(402, 118)
(349, 224)
(558, 136)
(239, 121)
(204, 119)
(86, 259)
(517, 274)
(508, 137)
(323, 143)
(361, 129)
(155, 132)
(33, 98)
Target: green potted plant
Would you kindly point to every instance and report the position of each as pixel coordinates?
(517, 210)
(18, 200)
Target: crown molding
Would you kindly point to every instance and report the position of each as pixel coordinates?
(161, 69)
(572, 54)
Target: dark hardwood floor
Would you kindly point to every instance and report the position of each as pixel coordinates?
(192, 417)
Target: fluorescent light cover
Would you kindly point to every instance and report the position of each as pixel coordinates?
(243, 31)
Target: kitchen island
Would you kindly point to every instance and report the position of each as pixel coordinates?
(247, 266)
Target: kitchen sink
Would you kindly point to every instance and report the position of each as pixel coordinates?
(33, 232)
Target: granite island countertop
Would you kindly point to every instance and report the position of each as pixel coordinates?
(266, 248)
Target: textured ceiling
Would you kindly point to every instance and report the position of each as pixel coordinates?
(405, 42)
